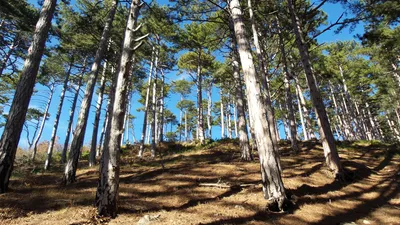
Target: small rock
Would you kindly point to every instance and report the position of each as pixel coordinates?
(145, 220)
(350, 223)
(366, 222)
(239, 207)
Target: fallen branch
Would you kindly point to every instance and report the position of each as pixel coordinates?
(222, 185)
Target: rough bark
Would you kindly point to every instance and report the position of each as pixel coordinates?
(326, 135)
(273, 187)
(57, 120)
(93, 145)
(46, 112)
(242, 126)
(107, 191)
(200, 121)
(16, 117)
(79, 133)
(103, 130)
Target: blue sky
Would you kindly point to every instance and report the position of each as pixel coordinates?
(38, 100)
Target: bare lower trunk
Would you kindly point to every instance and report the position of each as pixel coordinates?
(79, 133)
(146, 110)
(108, 187)
(154, 121)
(19, 106)
(103, 130)
(289, 100)
(93, 145)
(242, 126)
(71, 118)
(161, 129)
(303, 124)
(310, 130)
(273, 187)
(186, 127)
(222, 117)
(200, 121)
(209, 105)
(56, 121)
(46, 112)
(326, 135)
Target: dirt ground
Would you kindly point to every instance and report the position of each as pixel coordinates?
(175, 195)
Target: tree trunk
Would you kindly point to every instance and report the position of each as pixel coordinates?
(128, 119)
(209, 105)
(264, 78)
(46, 112)
(103, 130)
(228, 120)
(242, 126)
(186, 127)
(154, 114)
(161, 131)
(71, 116)
(310, 130)
(79, 133)
(57, 120)
(19, 107)
(107, 190)
(349, 104)
(93, 145)
(200, 121)
(273, 187)
(289, 100)
(303, 125)
(222, 116)
(146, 110)
(326, 135)
(235, 119)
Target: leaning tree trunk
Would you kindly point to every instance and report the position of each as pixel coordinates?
(146, 110)
(107, 190)
(289, 100)
(93, 145)
(57, 120)
(264, 78)
(16, 116)
(326, 135)
(79, 133)
(242, 126)
(273, 187)
(46, 112)
(103, 130)
(71, 116)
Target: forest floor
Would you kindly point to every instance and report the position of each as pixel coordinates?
(175, 195)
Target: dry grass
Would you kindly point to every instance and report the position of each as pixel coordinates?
(175, 195)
